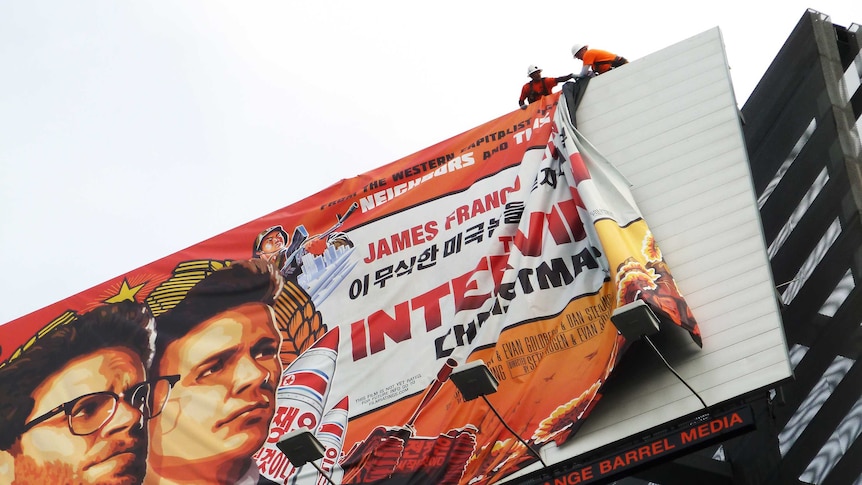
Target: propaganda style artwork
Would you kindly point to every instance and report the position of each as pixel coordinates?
(507, 243)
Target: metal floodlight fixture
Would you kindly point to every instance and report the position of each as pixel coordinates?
(300, 446)
(635, 320)
(474, 379)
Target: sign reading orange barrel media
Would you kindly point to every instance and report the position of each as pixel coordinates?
(346, 313)
(701, 432)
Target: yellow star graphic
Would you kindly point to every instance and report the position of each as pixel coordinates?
(125, 293)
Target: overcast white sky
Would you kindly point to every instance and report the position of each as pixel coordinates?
(132, 130)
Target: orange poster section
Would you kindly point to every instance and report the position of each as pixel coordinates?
(287, 321)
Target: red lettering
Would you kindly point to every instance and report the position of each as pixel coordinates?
(659, 447)
(688, 436)
(644, 451)
(562, 218)
(557, 227)
(569, 208)
(284, 420)
(555, 154)
(274, 464)
(605, 466)
(417, 235)
(462, 214)
(329, 459)
(506, 240)
(579, 170)
(358, 340)
(498, 265)
(470, 291)
(282, 468)
(430, 302)
(577, 476)
(381, 325)
(504, 194)
(284, 416)
(668, 445)
(307, 420)
(492, 200)
(403, 239)
(478, 208)
(449, 219)
(465, 283)
(573, 478)
(709, 428)
(431, 230)
(532, 245)
(383, 248)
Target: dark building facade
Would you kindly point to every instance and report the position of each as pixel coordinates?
(802, 131)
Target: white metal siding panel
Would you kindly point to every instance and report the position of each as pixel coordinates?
(669, 122)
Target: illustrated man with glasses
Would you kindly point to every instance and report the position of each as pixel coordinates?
(75, 403)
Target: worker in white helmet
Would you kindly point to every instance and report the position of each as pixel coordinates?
(539, 86)
(596, 61)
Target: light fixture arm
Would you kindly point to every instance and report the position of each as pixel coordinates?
(322, 473)
(473, 380)
(646, 337)
(636, 320)
(530, 448)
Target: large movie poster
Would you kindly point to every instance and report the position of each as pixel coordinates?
(346, 314)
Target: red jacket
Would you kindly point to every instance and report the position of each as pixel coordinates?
(534, 90)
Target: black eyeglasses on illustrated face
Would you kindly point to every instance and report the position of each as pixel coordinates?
(88, 413)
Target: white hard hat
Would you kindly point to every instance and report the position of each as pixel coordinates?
(532, 68)
(576, 48)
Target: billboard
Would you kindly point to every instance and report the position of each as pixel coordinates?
(346, 313)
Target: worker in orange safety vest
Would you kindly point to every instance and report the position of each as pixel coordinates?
(596, 61)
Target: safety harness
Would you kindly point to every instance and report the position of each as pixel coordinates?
(535, 96)
(615, 62)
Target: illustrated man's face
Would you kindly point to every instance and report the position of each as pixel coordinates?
(115, 453)
(271, 244)
(221, 408)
